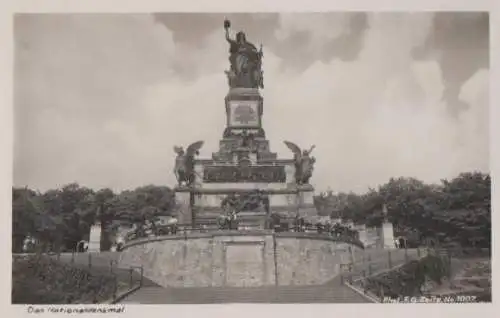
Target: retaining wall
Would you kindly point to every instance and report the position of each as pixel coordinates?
(238, 259)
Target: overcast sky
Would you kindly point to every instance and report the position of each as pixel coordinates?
(102, 99)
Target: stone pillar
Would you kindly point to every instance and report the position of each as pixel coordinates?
(290, 173)
(387, 235)
(184, 212)
(278, 199)
(363, 237)
(198, 169)
(95, 238)
(306, 198)
(306, 203)
(387, 231)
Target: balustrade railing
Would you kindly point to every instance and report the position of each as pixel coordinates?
(184, 229)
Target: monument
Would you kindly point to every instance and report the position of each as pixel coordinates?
(244, 179)
(386, 231)
(95, 238)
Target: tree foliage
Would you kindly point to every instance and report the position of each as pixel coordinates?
(456, 210)
(59, 218)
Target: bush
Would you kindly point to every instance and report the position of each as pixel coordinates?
(42, 280)
(409, 279)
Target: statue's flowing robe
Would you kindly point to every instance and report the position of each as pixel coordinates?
(180, 167)
(180, 164)
(189, 168)
(307, 166)
(244, 56)
(298, 166)
(245, 62)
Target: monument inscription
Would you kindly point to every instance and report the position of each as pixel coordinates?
(263, 174)
(244, 264)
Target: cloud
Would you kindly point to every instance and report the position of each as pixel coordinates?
(459, 41)
(102, 99)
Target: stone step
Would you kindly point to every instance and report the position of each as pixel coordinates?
(271, 294)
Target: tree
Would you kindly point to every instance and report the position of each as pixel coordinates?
(102, 211)
(466, 208)
(60, 218)
(70, 207)
(144, 202)
(32, 219)
(23, 217)
(458, 210)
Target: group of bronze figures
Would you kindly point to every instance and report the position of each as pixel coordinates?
(230, 221)
(147, 228)
(185, 172)
(235, 203)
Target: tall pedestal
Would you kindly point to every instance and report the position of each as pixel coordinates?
(306, 201)
(95, 238)
(244, 167)
(387, 237)
(184, 206)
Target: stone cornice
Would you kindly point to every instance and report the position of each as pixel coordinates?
(263, 162)
(294, 190)
(279, 208)
(221, 233)
(242, 91)
(276, 161)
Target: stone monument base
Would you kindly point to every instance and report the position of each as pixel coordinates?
(202, 206)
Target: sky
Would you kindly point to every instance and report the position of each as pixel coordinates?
(101, 99)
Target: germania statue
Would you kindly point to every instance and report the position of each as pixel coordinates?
(245, 61)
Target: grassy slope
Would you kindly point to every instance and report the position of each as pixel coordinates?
(42, 280)
(468, 277)
(67, 279)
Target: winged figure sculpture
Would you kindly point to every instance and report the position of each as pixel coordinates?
(304, 163)
(184, 163)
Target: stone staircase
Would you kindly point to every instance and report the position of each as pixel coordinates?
(332, 292)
